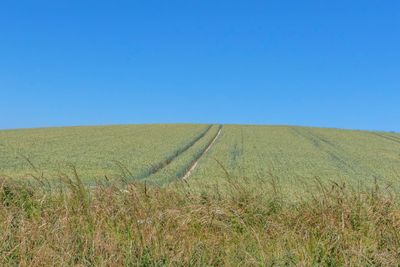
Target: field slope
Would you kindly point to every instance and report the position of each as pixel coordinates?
(297, 155)
(164, 153)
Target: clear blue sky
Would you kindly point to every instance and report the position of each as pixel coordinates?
(316, 63)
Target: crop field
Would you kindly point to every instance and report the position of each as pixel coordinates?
(295, 156)
(199, 195)
(161, 154)
(94, 151)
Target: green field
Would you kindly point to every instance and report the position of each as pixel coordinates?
(199, 195)
(94, 151)
(297, 155)
(163, 153)
(290, 153)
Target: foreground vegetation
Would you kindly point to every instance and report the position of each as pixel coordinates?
(241, 225)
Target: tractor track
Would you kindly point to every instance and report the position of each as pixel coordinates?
(195, 162)
(335, 154)
(164, 163)
(387, 137)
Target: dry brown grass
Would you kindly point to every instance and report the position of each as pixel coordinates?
(136, 225)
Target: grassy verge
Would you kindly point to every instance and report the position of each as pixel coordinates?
(240, 225)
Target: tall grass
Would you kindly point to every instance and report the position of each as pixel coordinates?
(241, 224)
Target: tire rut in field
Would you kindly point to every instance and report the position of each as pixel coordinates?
(334, 153)
(393, 135)
(387, 137)
(162, 164)
(194, 163)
